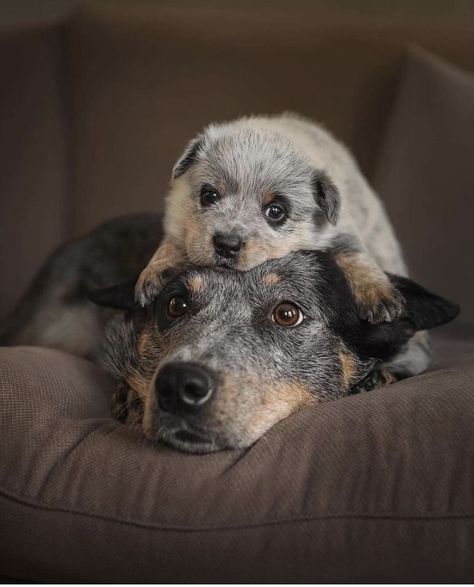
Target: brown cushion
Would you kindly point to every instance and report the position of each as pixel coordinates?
(371, 487)
(426, 176)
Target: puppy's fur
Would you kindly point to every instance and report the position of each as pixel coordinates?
(264, 371)
(257, 162)
(285, 160)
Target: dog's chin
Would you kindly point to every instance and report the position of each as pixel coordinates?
(186, 439)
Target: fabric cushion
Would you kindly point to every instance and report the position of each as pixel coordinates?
(372, 487)
(426, 176)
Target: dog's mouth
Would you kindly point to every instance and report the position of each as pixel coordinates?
(187, 439)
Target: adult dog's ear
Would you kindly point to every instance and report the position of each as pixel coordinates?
(326, 195)
(423, 309)
(119, 297)
(190, 155)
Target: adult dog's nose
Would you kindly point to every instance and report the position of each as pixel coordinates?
(184, 388)
(227, 245)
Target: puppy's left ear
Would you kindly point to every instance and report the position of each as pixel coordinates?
(423, 309)
(119, 297)
(326, 195)
(190, 155)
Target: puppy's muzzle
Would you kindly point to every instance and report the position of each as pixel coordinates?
(228, 245)
(184, 388)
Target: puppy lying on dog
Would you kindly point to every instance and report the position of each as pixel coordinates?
(218, 356)
(259, 188)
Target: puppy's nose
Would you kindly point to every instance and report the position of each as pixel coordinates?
(227, 245)
(184, 388)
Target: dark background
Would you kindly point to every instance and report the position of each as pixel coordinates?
(97, 99)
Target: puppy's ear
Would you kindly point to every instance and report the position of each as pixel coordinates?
(326, 195)
(120, 297)
(423, 309)
(190, 155)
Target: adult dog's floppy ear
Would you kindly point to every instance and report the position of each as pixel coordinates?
(326, 195)
(190, 155)
(423, 309)
(119, 297)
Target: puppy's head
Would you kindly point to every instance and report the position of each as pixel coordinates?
(221, 355)
(242, 194)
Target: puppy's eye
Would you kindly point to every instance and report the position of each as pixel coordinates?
(287, 314)
(275, 213)
(209, 196)
(177, 307)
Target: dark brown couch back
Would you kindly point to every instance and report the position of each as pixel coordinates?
(95, 109)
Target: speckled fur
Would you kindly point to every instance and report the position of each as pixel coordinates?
(264, 371)
(253, 159)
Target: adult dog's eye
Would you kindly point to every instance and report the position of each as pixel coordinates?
(287, 314)
(177, 307)
(274, 213)
(209, 196)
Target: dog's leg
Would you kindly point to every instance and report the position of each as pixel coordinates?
(127, 407)
(377, 299)
(378, 377)
(149, 283)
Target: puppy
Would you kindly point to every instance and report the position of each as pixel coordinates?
(261, 187)
(220, 356)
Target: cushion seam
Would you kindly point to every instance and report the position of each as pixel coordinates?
(173, 528)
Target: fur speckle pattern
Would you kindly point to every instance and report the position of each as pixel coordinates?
(290, 162)
(263, 371)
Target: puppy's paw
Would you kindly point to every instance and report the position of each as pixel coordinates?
(379, 304)
(376, 298)
(148, 285)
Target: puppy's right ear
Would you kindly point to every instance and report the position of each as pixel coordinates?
(190, 155)
(119, 297)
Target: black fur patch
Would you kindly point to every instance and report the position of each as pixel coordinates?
(326, 195)
(423, 310)
(119, 297)
(188, 157)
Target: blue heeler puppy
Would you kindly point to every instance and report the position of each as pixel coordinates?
(261, 187)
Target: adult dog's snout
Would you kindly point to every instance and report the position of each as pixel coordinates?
(228, 245)
(184, 388)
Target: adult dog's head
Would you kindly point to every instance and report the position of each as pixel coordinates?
(243, 193)
(220, 356)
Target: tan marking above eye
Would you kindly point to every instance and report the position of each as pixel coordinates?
(271, 279)
(196, 283)
(267, 198)
(287, 314)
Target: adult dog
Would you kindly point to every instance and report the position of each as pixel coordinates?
(218, 356)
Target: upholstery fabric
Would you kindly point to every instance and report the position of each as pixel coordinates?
(372, 487)
(426, 176)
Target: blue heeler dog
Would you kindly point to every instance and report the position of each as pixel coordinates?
(218, 355)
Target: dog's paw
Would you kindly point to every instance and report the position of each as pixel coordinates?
(147, 286)
(380, 304)
(378, 377)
